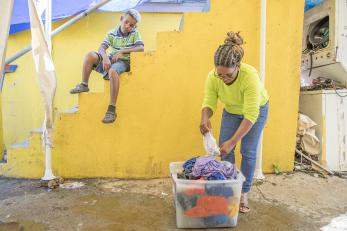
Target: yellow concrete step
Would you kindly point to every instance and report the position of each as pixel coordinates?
(25, 160)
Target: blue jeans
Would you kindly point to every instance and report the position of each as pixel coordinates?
(249, 143)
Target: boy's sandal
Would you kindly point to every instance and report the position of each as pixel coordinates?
(244, 208)
(79, 89)
(109, 117)
(106, 77)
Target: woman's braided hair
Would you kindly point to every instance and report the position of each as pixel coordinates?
(230, 53)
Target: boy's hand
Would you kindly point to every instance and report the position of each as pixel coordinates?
(106, 64)
(115, 57)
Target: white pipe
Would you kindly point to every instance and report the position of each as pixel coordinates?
(258, 173)
(39, 41)
(48, 24)
(48, 168)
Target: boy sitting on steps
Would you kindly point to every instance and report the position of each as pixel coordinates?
(123, 40)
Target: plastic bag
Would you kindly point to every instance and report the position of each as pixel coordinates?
(210, 145)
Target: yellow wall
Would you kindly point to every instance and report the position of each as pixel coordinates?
(25, 162)
(284, 35)
(160, 100)
(22, 107)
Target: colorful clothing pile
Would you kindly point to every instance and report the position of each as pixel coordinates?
(207, 168)
(214, 203)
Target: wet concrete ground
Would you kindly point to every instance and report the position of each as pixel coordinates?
(148, 205)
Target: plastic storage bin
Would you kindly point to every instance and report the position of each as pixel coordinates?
(205, 204)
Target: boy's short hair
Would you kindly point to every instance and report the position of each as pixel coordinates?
(135, 14)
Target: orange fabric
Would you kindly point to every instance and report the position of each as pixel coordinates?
(209, 206)
(194, 191)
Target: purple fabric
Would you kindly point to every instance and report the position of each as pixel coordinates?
(207, 165)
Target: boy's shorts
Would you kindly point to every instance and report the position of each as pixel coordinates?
(120, 66)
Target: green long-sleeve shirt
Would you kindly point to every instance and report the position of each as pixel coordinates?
(243, 97)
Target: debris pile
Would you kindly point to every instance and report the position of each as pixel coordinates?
(61, 183)
(306, 139)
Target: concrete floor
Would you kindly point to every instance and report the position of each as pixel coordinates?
(286, 202)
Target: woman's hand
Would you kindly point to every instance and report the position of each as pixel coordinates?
(205, 126)
(243, 129)
(227, 146)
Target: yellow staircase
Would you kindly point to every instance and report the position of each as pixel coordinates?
(160, 100)
(25, 159)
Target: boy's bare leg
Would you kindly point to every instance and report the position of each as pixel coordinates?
(111, 114)
(114, 86)
(91, 59)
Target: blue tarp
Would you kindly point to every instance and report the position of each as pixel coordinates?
(62, 9)
(311, 3)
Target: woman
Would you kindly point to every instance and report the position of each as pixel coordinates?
(238, 86)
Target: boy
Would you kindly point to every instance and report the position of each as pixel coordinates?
(123, 40)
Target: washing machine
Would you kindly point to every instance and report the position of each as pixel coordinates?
(324, 44)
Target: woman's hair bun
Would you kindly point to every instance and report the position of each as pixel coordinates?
(233, 39)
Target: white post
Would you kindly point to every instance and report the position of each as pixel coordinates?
(48, 163)
(48, 30)
(258, 173)
(45, 72)
(48, 24)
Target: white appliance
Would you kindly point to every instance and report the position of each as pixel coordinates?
(325, 42)
(329, 111)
